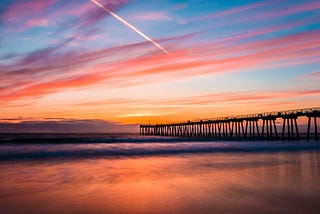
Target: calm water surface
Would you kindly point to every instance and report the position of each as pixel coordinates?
(230, 181)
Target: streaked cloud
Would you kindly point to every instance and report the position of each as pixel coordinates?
(180, 6)
(59, 55)
(205, 59)
(152, 16)
(18, 10)
(209, 99)
(36, 23)
(314, 74)
(235, 11)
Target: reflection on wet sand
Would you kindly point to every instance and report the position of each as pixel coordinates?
(195, 183)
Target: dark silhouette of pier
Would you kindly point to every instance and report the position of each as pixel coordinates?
(252, 126)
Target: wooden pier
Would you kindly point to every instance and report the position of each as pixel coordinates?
(253, 126)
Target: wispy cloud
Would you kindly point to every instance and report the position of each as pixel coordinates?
(258, 12)
(152, 16)
(234, 11)
(56, 71)
(207, 105)
(314, 74)
(42, 22)
(304, 7)
(180, 6)
(202, 60)
(78, 52)
(242, 97)
(20, 10)
(81, 16)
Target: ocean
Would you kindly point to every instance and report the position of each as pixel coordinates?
(128, 173)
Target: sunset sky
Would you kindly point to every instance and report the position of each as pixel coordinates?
(71, 61)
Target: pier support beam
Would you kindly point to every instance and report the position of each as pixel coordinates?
(313, 116)
(292, 127)
(269, 128)
(252, 127)
(237, 129)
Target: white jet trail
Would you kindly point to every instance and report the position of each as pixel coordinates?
(129, 25)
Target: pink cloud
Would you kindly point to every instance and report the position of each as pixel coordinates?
(41, 89)
(236, 57)
(56, 72)
(236, 38)
(90, 13)
(248, 12)
(152, 16)
(304, 7)
(234, 11)
(21, 10)
(34, 22)
(211, 99)
(315, 74)
(31, 13)
(180, 6)
(240, 97)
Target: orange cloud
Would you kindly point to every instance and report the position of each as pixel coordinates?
(52, 86)
(209, 99)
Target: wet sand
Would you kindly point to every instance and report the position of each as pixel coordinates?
(235, 182)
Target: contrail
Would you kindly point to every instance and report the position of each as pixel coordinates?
(129, 25)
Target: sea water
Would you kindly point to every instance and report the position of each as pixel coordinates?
(128, 173)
